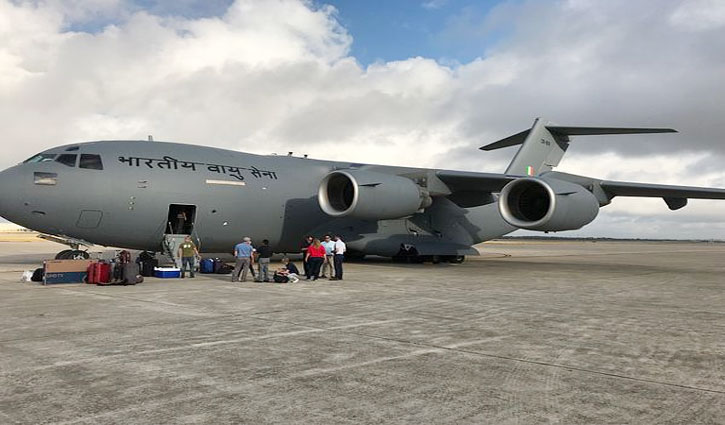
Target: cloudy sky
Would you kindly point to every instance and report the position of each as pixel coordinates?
(419, 83)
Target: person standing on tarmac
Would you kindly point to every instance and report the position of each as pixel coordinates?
(329, 245)
(264, 253)
(188, 253)
(243, 253)
(303, 248)
(340, 249)
(315, 257)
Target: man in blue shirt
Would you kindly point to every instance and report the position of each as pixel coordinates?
(243, 253)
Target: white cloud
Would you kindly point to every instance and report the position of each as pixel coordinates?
(276, 76)
(434, 4)
(699, 15)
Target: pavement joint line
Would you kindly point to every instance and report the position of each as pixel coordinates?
(305, 330)
(519, 360)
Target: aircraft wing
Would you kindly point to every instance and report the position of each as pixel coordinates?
(675, 196)
(465, 181)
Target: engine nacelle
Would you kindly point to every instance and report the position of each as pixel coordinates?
(547, 204)
(369, 195)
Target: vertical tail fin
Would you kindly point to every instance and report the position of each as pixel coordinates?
(543, 146)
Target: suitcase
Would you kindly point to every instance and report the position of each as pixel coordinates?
(99, 272)
(131, 273)
(148, 265)
(207, 265)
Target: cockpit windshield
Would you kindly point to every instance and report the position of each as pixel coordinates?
(68, 159)
(41, 157)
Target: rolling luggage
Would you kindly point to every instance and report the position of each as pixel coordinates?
(207, 265)
(131, 273)
(147, 266)
(99, 272)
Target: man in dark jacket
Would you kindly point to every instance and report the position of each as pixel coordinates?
(264, 254)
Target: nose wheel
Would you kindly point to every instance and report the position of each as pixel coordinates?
(72, 254)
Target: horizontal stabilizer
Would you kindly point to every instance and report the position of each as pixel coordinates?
(593, 131)
(556, 130)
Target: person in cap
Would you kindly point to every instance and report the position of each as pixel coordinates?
(243, 252)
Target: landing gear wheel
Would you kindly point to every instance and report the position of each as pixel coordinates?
(77, 254)
(63, 254)
(72, 254)
(458, 259)
(354, 256)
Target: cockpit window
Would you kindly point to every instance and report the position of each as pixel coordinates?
(90, 161)
(72, 148)
(67, 159)
(41, 157)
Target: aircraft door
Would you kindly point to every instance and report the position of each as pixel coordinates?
(181, 219)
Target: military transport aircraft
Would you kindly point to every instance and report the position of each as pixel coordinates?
(143, 195)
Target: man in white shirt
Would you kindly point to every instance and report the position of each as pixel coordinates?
(339, 250)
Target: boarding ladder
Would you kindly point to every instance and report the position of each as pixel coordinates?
(172, 241)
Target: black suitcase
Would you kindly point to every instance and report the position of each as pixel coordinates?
(147, 266)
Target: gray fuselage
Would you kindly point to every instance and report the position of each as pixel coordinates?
(234, 194)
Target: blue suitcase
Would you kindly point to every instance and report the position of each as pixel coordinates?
(206, 266)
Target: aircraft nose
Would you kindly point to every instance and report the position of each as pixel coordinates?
(5, 191)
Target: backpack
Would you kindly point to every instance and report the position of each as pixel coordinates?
(224, 269)
(38, 275)
(280, 278)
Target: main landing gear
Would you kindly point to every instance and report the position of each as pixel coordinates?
(408, 254)
(435, 259)
(72, 254)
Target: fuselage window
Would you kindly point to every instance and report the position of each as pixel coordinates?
(46, 179)
(41, 157)
(90, 161)
(67, 159)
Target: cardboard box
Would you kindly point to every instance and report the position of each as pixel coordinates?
(66, 271)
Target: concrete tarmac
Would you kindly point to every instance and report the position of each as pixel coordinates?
(532, 332)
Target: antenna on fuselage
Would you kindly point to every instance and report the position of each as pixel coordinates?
(151, 138)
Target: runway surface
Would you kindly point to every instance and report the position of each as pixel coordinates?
(532, 332)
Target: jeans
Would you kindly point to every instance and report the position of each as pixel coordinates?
(338, 265)
(242, 264)
(263, 270)
(187, 261)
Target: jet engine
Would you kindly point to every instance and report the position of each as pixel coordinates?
(369, 195)
(547, 204)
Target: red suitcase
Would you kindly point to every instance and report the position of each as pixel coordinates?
(99, 272)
